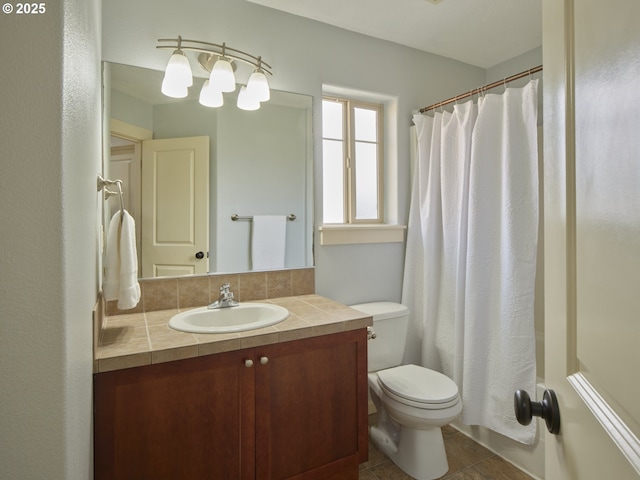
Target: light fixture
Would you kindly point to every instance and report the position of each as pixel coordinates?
(174, 90)
(221, 62)
(210, 96)
(222, 75)
(247, 101)
(259, 86)
(177, 77)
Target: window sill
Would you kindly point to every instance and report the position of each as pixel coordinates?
(361, 233)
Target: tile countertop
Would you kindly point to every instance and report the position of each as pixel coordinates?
(145, 338)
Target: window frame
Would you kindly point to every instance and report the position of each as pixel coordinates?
(349, 161)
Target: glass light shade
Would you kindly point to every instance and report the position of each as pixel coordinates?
(246, 101)
(210, 97)
(178, 69)
(258, 86)
(222, 76)
(174, 89)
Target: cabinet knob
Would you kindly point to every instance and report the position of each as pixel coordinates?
(248, 363)
(264, 360)
(371, 333)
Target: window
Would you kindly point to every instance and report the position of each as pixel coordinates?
(352, 161)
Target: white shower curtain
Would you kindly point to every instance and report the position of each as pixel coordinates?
(471, 252)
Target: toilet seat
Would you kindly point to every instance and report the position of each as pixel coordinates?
(419, 387)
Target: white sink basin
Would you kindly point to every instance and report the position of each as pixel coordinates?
(246, 316)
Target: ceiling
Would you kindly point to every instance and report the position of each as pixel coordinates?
(483, 33)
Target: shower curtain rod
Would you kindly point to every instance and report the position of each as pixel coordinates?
(479, 90)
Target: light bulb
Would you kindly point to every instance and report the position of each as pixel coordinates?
(210, 96)
(177, 75)
(222, 76)
(246, 101)
(258, 86)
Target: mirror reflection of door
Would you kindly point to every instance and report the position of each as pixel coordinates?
(124, 164)
(175, 206)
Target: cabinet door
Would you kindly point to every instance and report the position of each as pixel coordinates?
(177, 420)
(311, 408)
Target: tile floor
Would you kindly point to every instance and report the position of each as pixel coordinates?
(468, 460)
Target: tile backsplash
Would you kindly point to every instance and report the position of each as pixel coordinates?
(196, 291)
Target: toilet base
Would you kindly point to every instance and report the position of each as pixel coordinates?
(420, 453)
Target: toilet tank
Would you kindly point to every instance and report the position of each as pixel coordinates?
(390, 322)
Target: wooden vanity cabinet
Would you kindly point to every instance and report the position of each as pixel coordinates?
(292, 410)
(176, 420)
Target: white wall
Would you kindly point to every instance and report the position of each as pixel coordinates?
(50, 151)
(131, 110)
(305, 55)
(521, 63)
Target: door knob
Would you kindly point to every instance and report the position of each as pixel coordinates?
(547, 409)
(200, 255)
(264, 360)
(248, 363)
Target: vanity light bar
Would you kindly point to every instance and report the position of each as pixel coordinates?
(219, 61)
(213, 50)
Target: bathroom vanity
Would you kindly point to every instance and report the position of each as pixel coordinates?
(291, 402)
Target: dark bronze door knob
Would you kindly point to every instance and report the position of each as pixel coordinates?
(547, 409)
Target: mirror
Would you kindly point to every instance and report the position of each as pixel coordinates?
(259, 163)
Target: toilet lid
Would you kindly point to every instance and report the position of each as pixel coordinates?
(418, 384)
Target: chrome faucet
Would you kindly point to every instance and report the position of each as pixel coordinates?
(225, 299)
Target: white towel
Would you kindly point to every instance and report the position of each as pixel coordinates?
(268, 242)
(121, 263)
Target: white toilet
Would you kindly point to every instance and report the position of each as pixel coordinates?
(412, 402)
